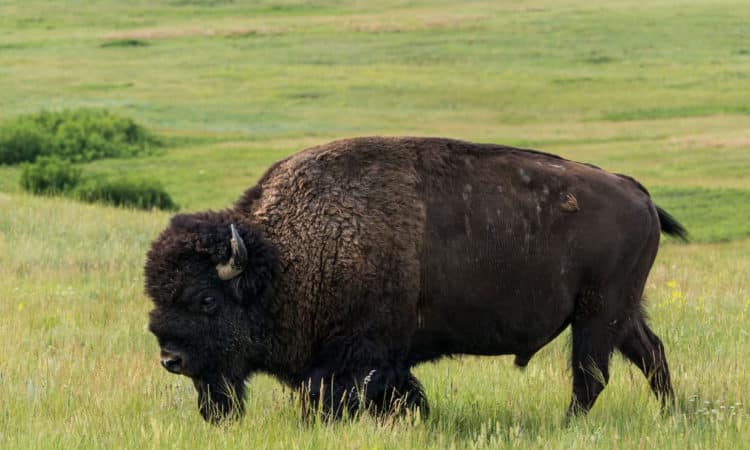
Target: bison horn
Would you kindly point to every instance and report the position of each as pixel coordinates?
(237, 262)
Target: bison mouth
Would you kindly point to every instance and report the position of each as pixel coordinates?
(220, 399)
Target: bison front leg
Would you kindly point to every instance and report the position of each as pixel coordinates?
(413, 397)
(382, 390)
(220, 399)
(327, 392)
(395, 393)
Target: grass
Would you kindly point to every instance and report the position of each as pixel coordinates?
(657, 91)
(711, 215)
(72, 290)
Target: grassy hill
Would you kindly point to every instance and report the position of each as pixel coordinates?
(659, 91)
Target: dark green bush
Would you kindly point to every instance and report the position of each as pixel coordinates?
(49, 175)
(75, 135)
(134, 192)
(23, 141)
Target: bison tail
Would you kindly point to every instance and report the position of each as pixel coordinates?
(670, 226)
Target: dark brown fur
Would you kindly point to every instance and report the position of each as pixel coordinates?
(371, 255)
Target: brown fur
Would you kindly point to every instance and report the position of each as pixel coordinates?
(375, 254)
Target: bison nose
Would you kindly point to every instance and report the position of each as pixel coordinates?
(172, 361)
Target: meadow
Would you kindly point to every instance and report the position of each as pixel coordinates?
(660, 91)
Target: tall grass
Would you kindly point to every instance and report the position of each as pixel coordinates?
(80, 369)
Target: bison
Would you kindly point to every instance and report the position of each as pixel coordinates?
(351, 262)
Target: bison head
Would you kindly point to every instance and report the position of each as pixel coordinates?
(208, 275)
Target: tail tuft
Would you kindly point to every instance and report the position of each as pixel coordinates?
(670, 226)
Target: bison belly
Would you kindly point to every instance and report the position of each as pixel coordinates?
(488, 298)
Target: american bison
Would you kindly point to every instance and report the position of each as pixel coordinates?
(351, 262)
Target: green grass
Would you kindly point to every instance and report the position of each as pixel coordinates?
(659, 91)
(80, 368)
(711, 215)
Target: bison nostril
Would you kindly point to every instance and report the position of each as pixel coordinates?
(171, 361)
(172, 365)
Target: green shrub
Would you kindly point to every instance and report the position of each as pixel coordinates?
(49, 175)
(141, 193)
(23, 141)
(75, 135)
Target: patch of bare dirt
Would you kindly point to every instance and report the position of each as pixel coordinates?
(185, 31)
(397, 25)
(742, 141)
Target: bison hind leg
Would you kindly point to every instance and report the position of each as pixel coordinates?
(593, 343)
(644, 349)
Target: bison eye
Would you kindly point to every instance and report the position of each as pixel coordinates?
(208, 304)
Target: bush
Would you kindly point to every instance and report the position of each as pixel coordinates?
(75, 135)
(139, 193)
(49, 175)
(23, 141)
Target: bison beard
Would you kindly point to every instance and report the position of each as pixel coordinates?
(220, 399)
(350, 263)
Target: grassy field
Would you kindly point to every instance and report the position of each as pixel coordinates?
(660, 91)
